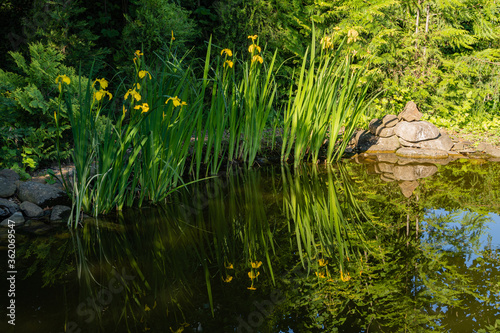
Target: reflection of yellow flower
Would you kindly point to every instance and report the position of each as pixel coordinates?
(254, 47)
(229, 266)
(257, 58)
(256, 264)
(252, 275)
(142, 74)
(252, 288)
(228, 279)
(254, 37)
(144, 107)
(176, 101)
(320, 275)
(352, 36)
(62, 78)
(227, 51)
(322, 262)
(229, 63)
(346, 277)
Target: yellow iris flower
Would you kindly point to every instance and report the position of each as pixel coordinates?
(352, 36)
(102, 83)
(322, 262)
(346, 277)
(228, 279)
(173, 38)
(138, 53)
(254, 37)
(252, 275)
(227, 51)
(256, 264)
(142, 74)
(144, 107)
(252, 288)
(176, 101)
(134, 94)
(229, 266)
(62, 78)
(254, 47)
(257, 58)
(101, 93)
(320, 275)
(229, 63)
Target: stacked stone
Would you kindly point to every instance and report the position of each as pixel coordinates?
(406, 135)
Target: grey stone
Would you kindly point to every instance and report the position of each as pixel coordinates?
(7, 187)
(416, 131)
(390, 120)
(462, 145)
(378, 128)
(60, 213)
(42, 194)
(443, 142)
(386, 132)
(383, 167)
(407, 187)
(389, 158)
(9, 174)
(18, 219)
(364, 140)
(8, 207)
(489, 149)
(390, 144)
(30, 209)
(410, 112)
(411, 172)
(387, 177)
(374, 125)
(421, 153)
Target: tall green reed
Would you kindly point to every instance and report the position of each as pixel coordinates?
(328, 96)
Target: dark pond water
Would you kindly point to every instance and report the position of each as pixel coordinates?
(368, 247)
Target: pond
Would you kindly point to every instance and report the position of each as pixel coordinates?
(362, 246)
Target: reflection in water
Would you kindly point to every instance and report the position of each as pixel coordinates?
(316, 249)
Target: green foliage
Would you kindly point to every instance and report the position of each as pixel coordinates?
(154, 24)
(28, 100)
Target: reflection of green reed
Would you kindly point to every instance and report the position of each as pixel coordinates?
(324, 212)
(179, 247)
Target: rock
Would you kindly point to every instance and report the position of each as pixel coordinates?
(407, 187)
(390, 120)
(42, 194)
(461, 146)
(7, 187)
(443, 142)
(18, 219)
(387, 177)
(374, 124)
(384, 145)
(364, 140)
(378, 128)
(421, 153)
(410, 112)
(60, 213)
(382, 167)
(416, 131)
(389, 158)
(30, 209)
(8, 207)
(489, 149)
(414, 171)
(9, 174)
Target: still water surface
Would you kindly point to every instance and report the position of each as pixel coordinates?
(364, 247)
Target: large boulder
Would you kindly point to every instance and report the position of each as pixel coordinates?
(378, 128)
(390, 120)
(17, 219)
(410, 112)
(30, 209)
(9, 174)
(7, 187)
(384, 145)
(60, 213)
(421, 153)
(442, 142)
(42, 194)
(7, 208)
(416, 131)
(489, 149)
